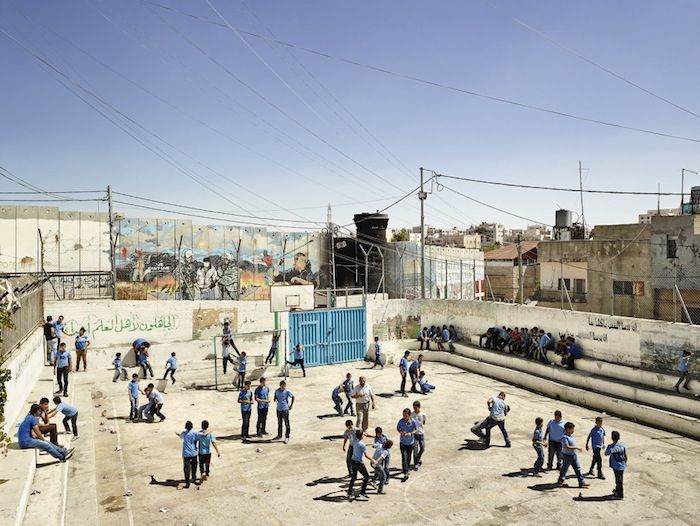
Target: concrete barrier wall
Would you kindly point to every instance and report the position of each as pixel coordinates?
(26, 365)
(648, 344)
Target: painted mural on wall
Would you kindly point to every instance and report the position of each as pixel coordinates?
(170, 259)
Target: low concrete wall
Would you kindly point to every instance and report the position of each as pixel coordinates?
(647, 344)
(658, 418)
(25, 364)
(121, 322)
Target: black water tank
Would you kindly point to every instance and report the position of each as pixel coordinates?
(371, 227)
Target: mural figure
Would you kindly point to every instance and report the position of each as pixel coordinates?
(206, 280)
(300, 274)
(227, 278)
(186, 273)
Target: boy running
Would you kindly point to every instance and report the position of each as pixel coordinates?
(359, 452)
(683, 372)
(170, 367)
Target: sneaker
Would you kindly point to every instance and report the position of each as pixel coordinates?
(381, 492)
(69, 454)
(563, 484)
(676, 389)
(507, 445)
(584, 485)
(161, 419)
(277, 437)
(363, 496)
(76, 437)
(589, 474)
(286, 440)
(173, 380)
(601, 476)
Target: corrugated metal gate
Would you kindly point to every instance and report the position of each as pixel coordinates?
(329, 335)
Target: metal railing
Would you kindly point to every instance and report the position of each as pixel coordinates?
(25, 319)
(74, 286)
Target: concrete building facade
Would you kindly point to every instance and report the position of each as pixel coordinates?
(502, 272)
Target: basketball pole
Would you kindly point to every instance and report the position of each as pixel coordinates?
(277, 326)
(216, 369)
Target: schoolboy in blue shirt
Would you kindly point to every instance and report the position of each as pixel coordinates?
(555, 432)
(359, 452)
(379, 463)
(242, 365)
(170, 367)
(538, 444)
(407, 428)
(61, 367)
(569, 457)
(119, 370)
(618, 462)
(683, 372)
(348, 384)
(245, 399)
(190, 441)
(337, 401)
(134, 391)
(70, 415)
(205, 442)
(414, 371)
(403, 370)
(349, 436)
(377, 353)
(262, 397)
(285, 402)
(597, 438)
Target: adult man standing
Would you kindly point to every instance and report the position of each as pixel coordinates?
(363, 395)
(82, 342)
(555, 432)
(498, 409)
(262, 398)
(61, 368)
(51, 340)
(403, 370)
(285, 402)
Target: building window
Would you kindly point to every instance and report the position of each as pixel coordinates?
(579, 286)
(671, 247)
(567, 284)
(623, 288)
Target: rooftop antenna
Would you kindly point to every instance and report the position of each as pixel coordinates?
(658, 200)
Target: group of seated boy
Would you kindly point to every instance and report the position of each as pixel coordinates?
(441, 336)
(532, 344)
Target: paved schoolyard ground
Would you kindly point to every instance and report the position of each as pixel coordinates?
(303, 482)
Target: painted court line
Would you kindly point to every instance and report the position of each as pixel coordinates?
(121, 463)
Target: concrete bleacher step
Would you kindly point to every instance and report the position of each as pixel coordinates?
(572, 386)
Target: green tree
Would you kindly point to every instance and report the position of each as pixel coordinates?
(400, 235)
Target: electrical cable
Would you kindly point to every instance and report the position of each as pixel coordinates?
(448, 87)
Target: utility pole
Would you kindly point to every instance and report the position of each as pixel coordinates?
(112, 244)
(561, 278)
(580, 185)
(520, 271)
(422, 196)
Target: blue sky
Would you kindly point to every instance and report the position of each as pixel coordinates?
(261, 153)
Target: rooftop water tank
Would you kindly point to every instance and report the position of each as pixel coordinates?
(563, 219)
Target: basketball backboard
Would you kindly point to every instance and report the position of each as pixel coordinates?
(284, 298)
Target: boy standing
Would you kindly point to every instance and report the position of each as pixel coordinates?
(134, 391)
(570, 458)
(683, 372)
(555, 431)
(538, 444)
(348, 386)
(261, 395)
(206, 440)
(349, 436)
(245, 399)
(403, 370)
(419, 418)
(119, 370)
(61, 367)
(189, 453)
(407, 429)
(170, 367)
(597, 438)
(285, 402)
(82, 342)
(414, 371)
(618, 462)
(242, 365)
(377, 353)
(70, 414)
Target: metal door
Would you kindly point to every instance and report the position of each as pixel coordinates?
(329, 335)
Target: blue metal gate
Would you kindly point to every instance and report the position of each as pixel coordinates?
(329, 335)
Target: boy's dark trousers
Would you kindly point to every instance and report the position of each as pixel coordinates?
(406, 452)
(338, 403)
(403, 383)
(204, 461)
(262, 420)
(283, 416)
(619, 492)
(146, 365)
(74, 422)
(348, 460)
(349, 406)
(554, 448)
(271, 355)
(683, 375)
(226, 361)
(570, 461)
(172, 374)
(62, 379)
(358, 467)
(597, 460)
(190, 468)
(241, 379)
(245, 428)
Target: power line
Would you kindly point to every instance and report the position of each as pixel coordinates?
(580, 56)
(34, 192)
(447, 87)
(555, 188)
